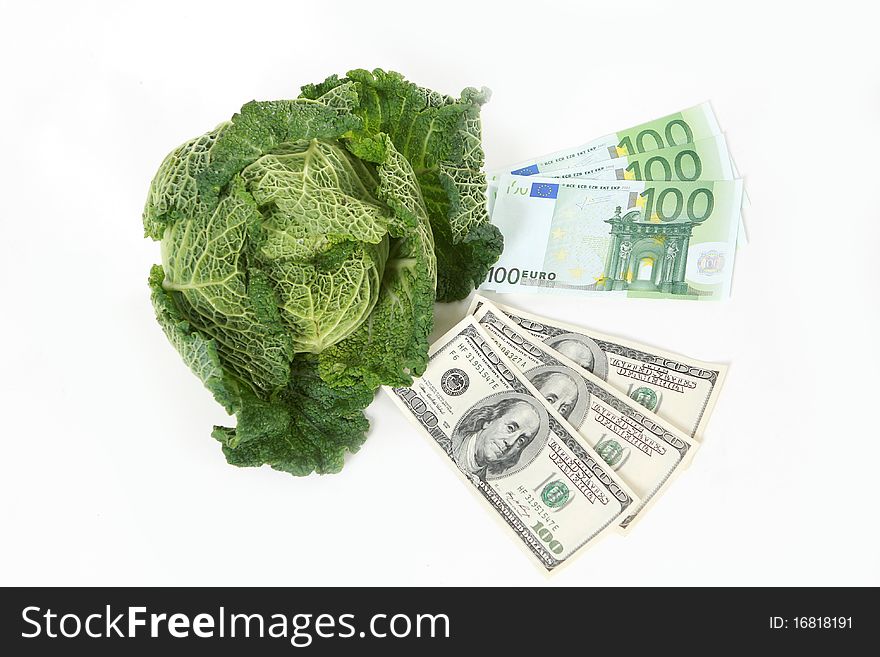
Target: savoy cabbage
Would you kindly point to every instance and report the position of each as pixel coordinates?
(303, 245)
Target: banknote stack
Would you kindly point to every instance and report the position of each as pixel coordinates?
(650, 211)
(566, 433)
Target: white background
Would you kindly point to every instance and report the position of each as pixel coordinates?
(109, 474)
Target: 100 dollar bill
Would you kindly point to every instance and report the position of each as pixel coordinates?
(679, 389)
(644, 449)
(688, 125)
(629, 238)
(549, 486)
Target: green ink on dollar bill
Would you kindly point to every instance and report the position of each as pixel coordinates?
(644, 449)
(680, 389)
(495, 429)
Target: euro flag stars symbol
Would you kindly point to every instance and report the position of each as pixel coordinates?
(544, 190)
(530, 170)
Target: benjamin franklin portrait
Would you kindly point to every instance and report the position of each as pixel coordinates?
(563, 389)
(581, 350)
(500, 435)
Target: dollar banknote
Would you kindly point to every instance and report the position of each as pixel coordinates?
(679, 389)
(627, 238)
(688, 125)
(527, 462)
(644, 449)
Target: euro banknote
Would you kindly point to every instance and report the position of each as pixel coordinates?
(538, 476)
(705, 159)
(626, 238)
(688, 125)
(680, 389)
(644, 449)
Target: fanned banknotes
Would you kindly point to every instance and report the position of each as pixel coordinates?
(523, 458)
(678, 388)
(644, 449)
(558, 428)
(668, 227)
(706, 159)
(688, 125)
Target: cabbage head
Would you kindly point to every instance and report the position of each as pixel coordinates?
(304, 243)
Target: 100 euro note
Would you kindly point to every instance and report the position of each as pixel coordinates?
(706, 159)
(624, 238)
(688, 125)
(527, 462)
(644, 449)
(680, 389)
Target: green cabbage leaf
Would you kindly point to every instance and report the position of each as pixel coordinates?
(440, 136)
(303, 245)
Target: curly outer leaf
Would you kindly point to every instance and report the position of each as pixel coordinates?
(469, 262)
(306, 427)
(205, 274)
(318, 425)
(260, 127)
(440, 136)
(174, 192)
(199, 353)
